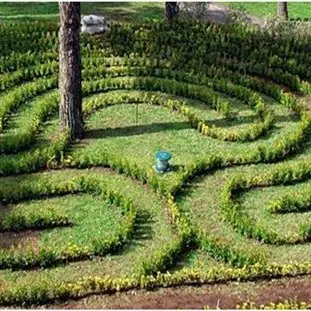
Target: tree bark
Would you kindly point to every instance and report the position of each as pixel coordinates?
(283, 12)
(70, 109)
(171, 10)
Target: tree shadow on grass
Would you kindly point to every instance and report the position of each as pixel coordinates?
(142, 232)
(233, 121)
(136, 130)
(226, 123)
(143, 227)
(123, 11)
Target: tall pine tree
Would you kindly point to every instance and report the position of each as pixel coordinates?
(70, 109)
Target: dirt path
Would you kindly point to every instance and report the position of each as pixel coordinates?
(220, 14)
(225, 296)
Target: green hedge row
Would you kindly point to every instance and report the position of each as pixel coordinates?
(42, 157)
(221, 36)
(45, 218)
(28, 28)
(149, 39)
(277, 75)
(12, 79)
(18, 96)
(36, 294)
(166, 257)
(235, 42)
(281, 305)
(97, 69)
(244, 225)
(290, 203)
(153, 67)
(280, 147)
(223, 251)
(222, 44)
(26, 135)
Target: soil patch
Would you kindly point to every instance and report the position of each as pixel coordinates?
(28, 238)
(224, 296)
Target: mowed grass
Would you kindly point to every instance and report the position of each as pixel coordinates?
(129, 11)
(269, 9)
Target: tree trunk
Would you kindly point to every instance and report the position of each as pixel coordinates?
(283, 13)
(171, 10)
(70, 109)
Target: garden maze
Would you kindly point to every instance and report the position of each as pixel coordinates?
(93, 216)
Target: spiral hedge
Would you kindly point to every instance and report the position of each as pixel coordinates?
(93, 216)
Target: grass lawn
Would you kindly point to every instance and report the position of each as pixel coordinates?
(137, 11)
(269, 9)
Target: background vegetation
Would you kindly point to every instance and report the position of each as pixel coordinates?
(269, 9)
(135, 11)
